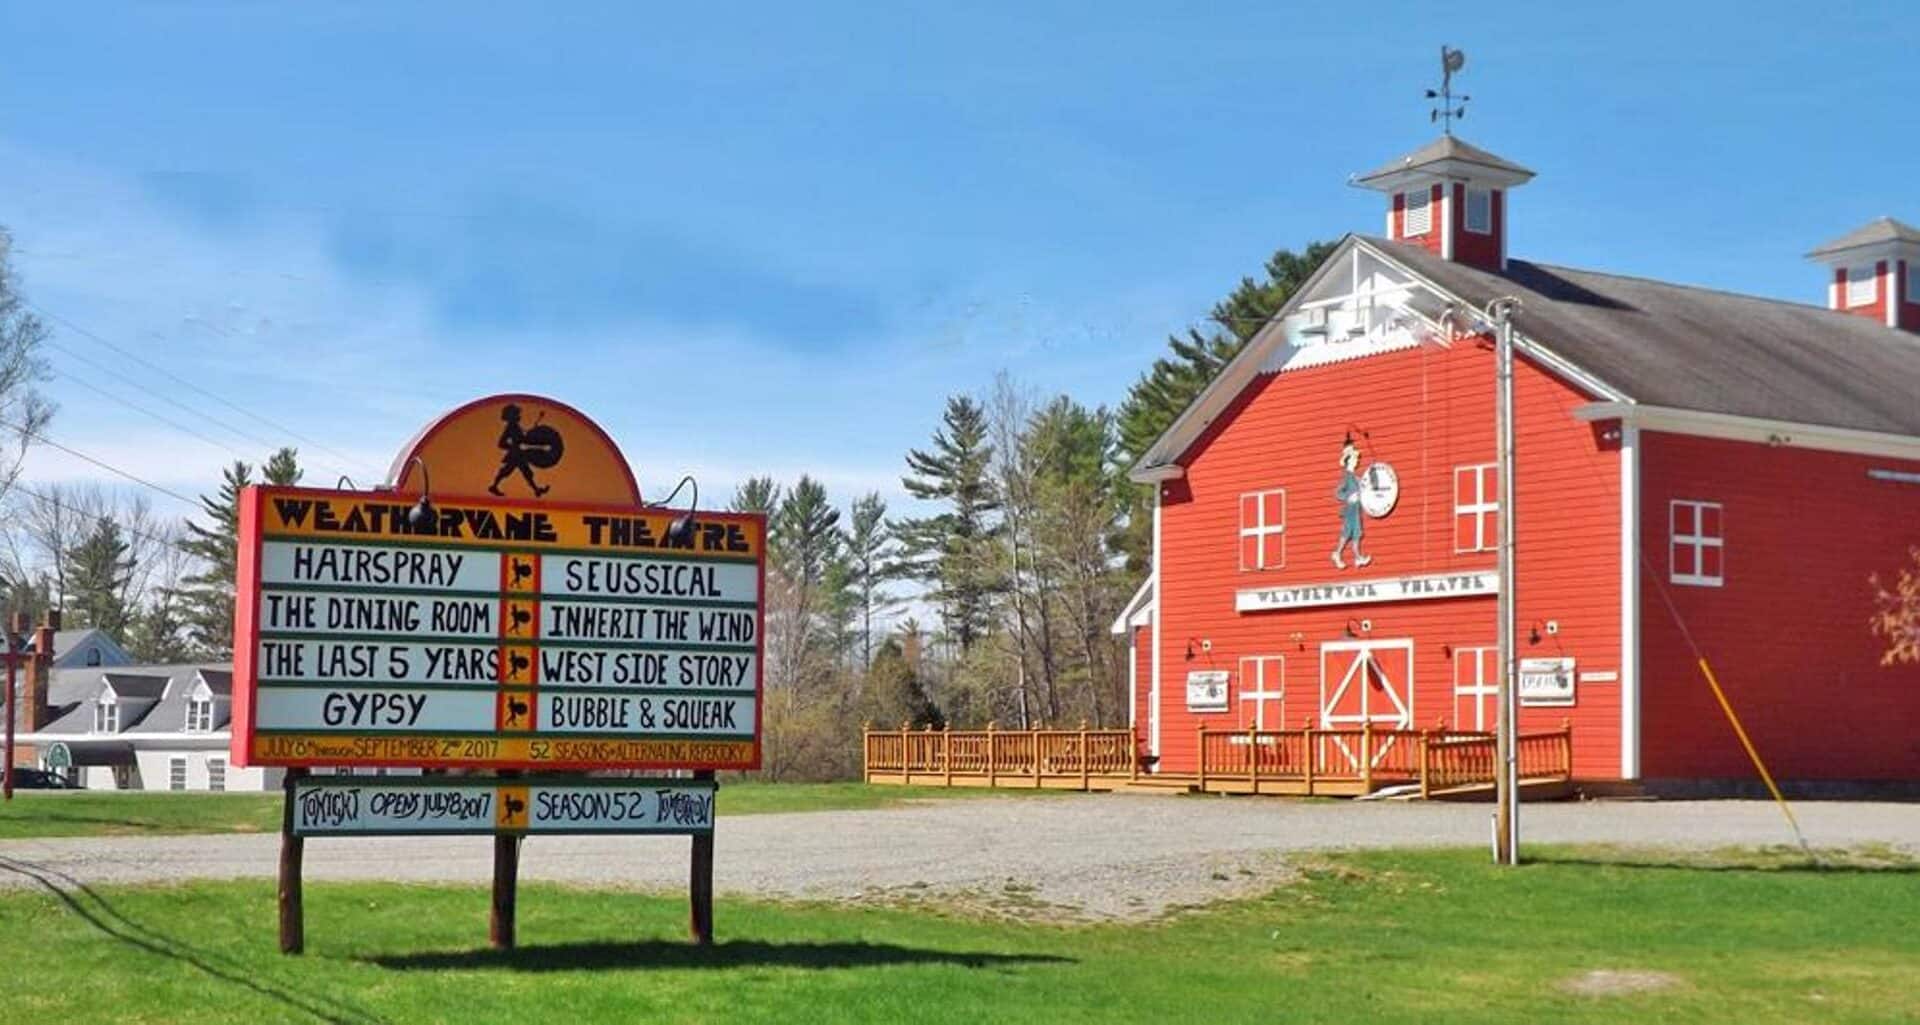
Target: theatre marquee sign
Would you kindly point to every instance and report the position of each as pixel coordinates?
(1457, 584)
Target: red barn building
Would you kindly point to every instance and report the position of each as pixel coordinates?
(1690, 464)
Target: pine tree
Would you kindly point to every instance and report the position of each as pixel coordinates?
(206, 603)
(951, 550)
(156, 634)
(1161, 394)
(99, 568)
(871, 552)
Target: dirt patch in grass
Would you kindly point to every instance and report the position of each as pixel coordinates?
(1616, 982)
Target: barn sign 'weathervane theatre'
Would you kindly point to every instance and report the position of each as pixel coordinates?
(506, 603)
(1698, 473)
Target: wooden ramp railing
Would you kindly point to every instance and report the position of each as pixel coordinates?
(1349, 761)
(994, 757)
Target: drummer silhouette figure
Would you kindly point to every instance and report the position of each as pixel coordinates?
(524, 450)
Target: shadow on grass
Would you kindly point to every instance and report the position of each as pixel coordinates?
(658, 954)
(1825, 863)
(99, 913)
(132, 826)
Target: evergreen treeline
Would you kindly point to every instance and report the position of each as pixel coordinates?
(991, 604)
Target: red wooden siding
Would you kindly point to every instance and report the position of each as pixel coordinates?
(1787, 632)
(1473, 248)
(1427, 410)
(1909, 311)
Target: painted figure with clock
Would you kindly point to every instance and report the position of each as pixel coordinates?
(1373, 493)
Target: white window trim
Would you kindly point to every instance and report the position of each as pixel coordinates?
(199, 715)
(1254, 681)
(1425, 193)
(216, 773)
(1482, 509)
(1863, 291)
(1699, 542)
(1478, 689)
(179, 763)
(1261, 529)
(106, 716)
(1466, 216)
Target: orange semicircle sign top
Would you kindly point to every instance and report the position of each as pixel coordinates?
(522, 447)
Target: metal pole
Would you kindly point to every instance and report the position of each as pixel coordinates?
(1506, 812)
(16, 626)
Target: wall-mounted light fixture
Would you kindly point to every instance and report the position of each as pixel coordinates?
(680, 531)
(421, 516)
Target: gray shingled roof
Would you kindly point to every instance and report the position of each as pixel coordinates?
(145, 708)
(1694, 348)
(1446, 147)
(1885, 229)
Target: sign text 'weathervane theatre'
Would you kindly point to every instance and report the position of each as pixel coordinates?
(494, 633)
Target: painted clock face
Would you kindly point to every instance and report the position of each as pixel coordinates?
(1379, 490)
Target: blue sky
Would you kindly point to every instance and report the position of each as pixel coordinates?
(774, 240)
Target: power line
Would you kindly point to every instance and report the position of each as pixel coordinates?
(64, 506)
(109, 467)
(191, 386)
(136, 407)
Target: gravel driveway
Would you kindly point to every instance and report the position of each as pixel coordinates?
(1094, 855)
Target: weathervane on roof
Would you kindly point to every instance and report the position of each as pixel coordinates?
(1451, 60)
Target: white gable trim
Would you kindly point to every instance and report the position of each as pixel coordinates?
(1267, 352)
(1779, 433)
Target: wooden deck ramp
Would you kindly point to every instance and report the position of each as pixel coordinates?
(1309, 762)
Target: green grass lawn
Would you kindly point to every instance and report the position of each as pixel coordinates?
(1380, 937)
(34, 813)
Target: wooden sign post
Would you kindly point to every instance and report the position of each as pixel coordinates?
(443, 623)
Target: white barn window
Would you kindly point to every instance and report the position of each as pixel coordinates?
(1263, 529)
(1418, 219)
(1697, 548)
(1861, 285)
(1263, 697)
(1476, 688)
(1476, 508)
(1479, 219)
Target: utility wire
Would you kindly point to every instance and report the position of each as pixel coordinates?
(109, 467)
(73, 378)
(67, 507)
(191, 386)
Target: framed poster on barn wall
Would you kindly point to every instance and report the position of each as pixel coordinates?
(1207, 690)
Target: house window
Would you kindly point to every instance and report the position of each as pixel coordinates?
(1697, 549)
(1913, 282)
(93, 656)
(1263, 529)
(1476, 688)
(1418, 219)
(1860, 285)
(1476, 507)
(106, 716)
(1263, 703)
(1480, 211)
(199, 715)
(176, 774)
(216, 774)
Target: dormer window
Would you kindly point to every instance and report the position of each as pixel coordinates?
(1479, 218)
(200, 715)
(1418, 219)
(1860, 285)
(106, 715)
(93, 656)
